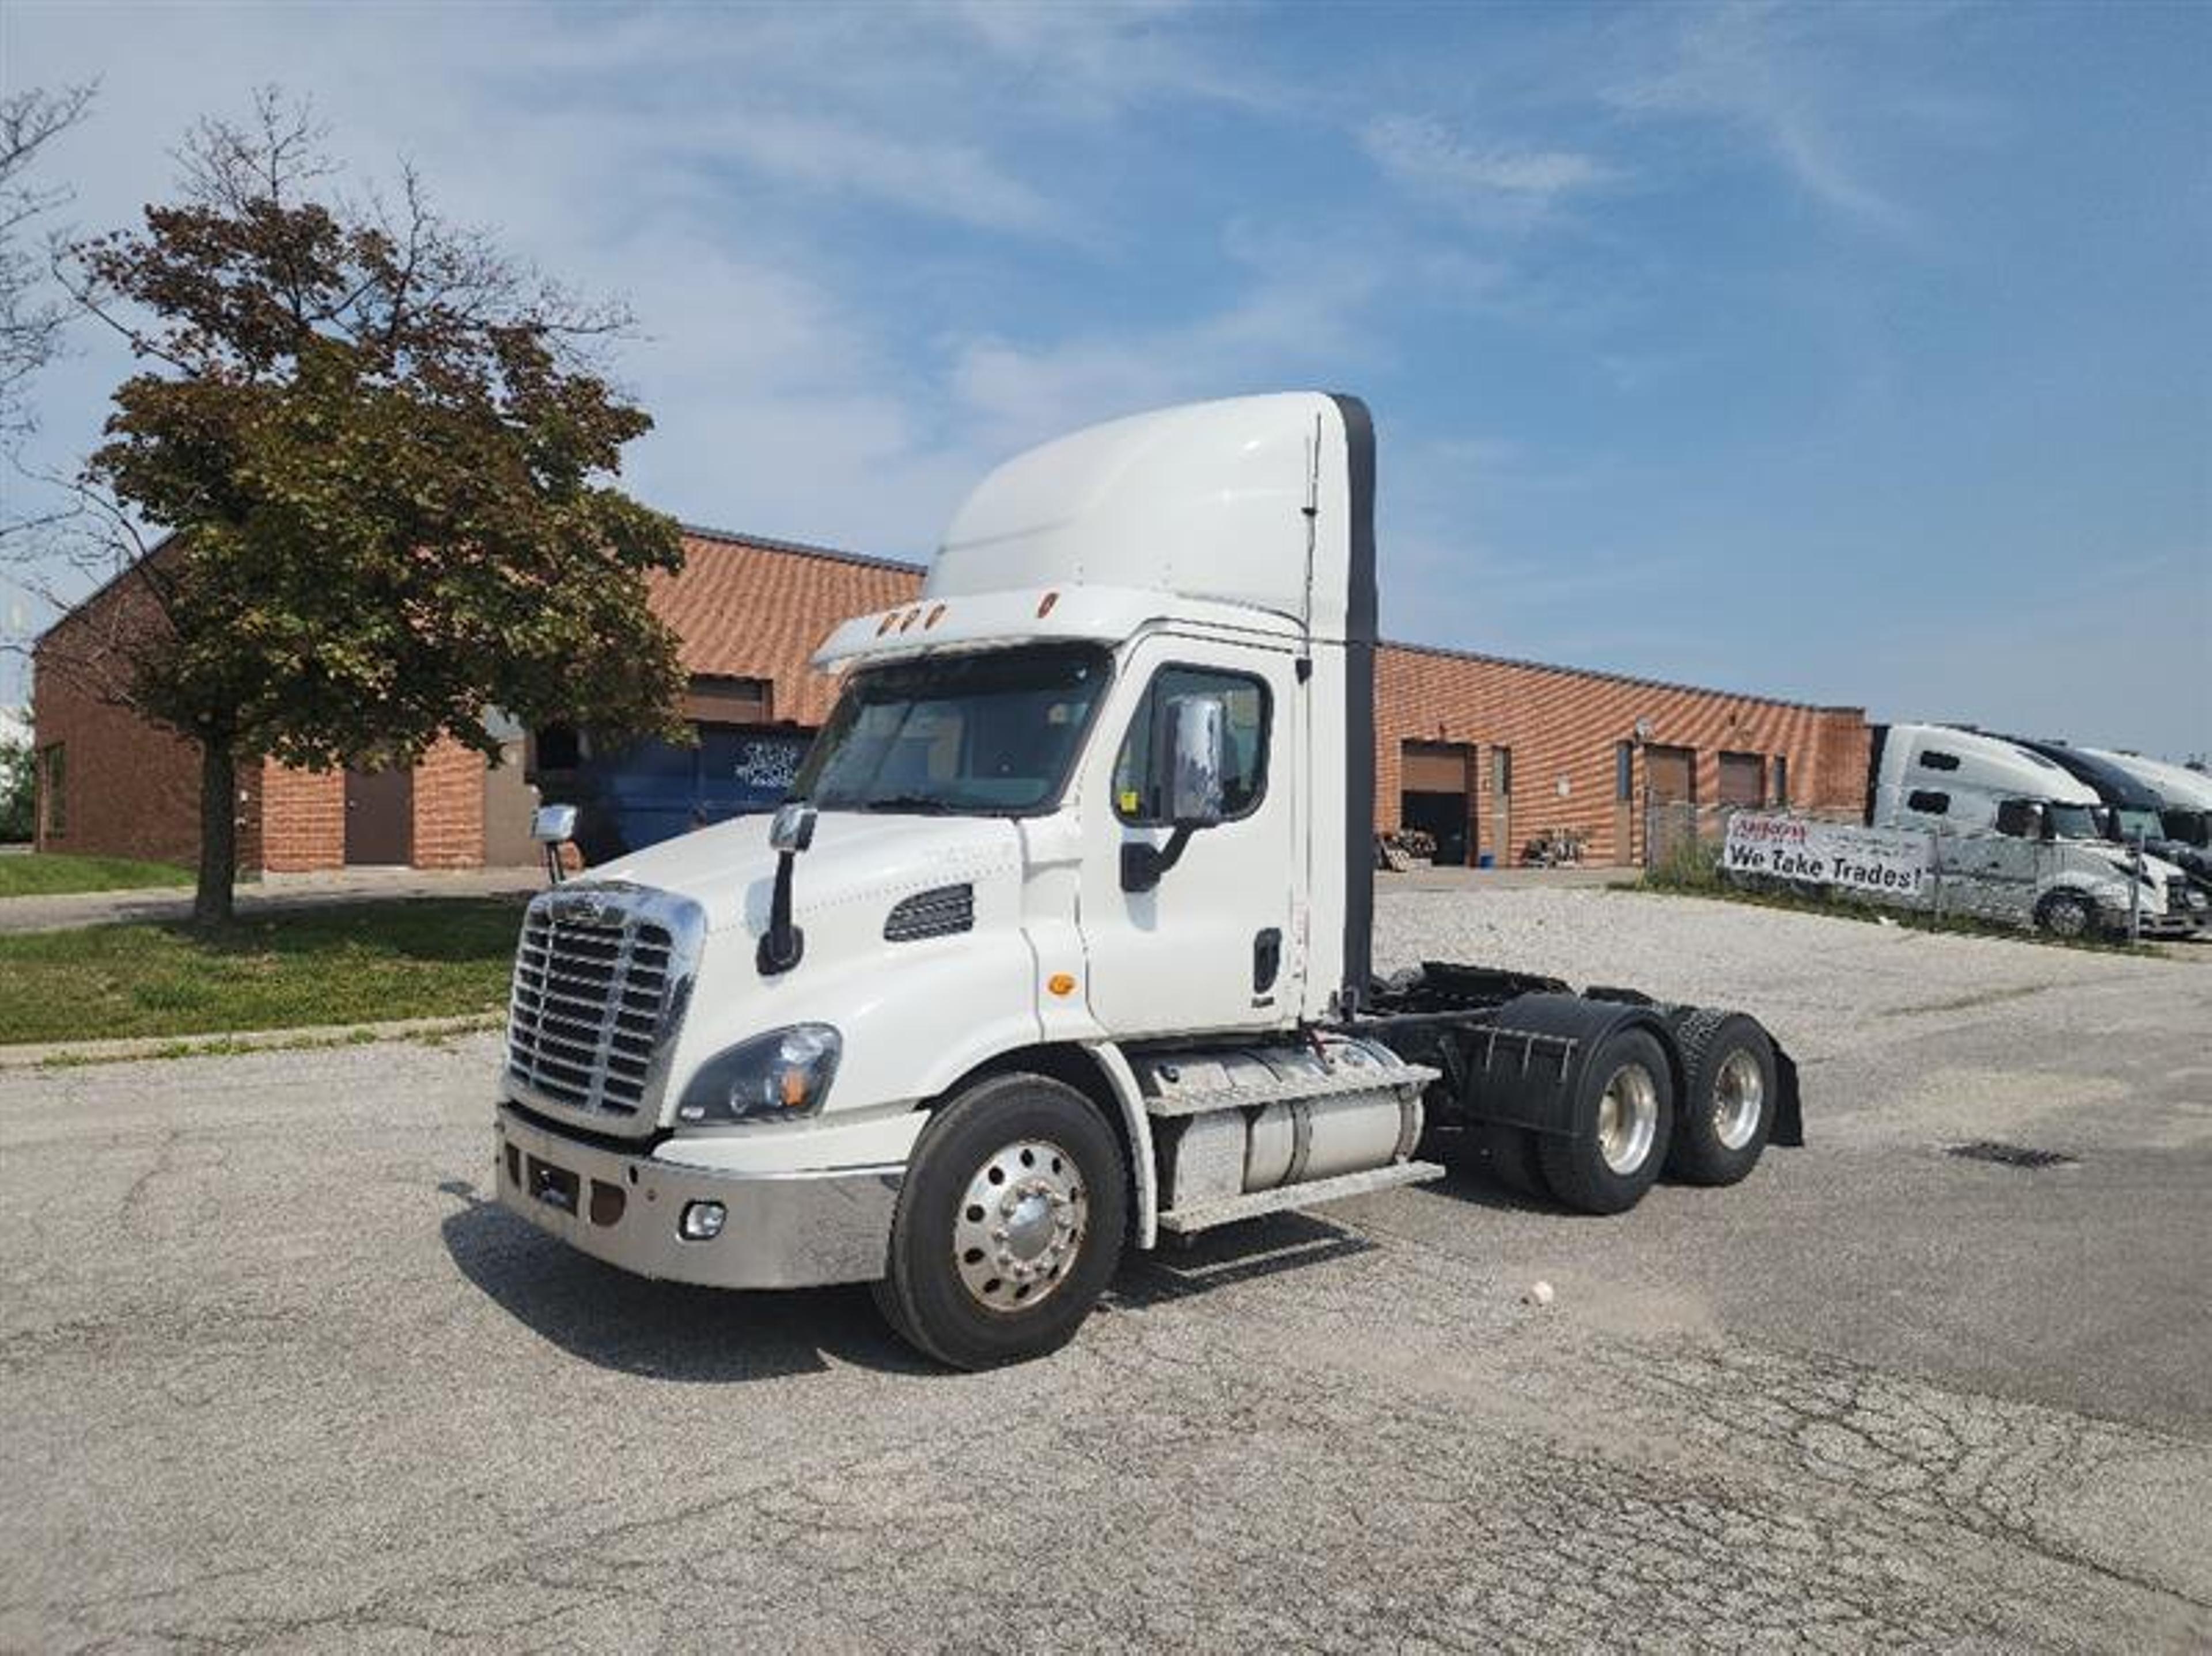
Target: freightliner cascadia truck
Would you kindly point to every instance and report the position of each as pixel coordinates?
(1060, 945)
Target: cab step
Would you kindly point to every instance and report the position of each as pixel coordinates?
(1227, 1211)
(1203, 1101)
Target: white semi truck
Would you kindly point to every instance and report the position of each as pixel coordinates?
(1061, 944)
(2031, 843)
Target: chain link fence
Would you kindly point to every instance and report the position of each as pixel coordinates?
(2071, 887)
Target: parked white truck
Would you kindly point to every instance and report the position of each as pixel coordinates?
(1062, 941)
(2025, 839)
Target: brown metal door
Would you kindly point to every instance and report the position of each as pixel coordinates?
(1670, 775)
(380, 817)
(1742, 778)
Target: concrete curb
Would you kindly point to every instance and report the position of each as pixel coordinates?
(70, 1054)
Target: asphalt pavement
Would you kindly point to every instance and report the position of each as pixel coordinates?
(273, 1376)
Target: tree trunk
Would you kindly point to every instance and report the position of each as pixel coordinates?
(211, 901)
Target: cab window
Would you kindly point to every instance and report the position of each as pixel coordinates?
(1244, 744)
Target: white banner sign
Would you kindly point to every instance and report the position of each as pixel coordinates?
(1882, 862)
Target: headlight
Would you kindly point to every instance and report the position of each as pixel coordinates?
(783, 1073)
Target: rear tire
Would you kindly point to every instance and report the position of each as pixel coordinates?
(1729, 1091)
(1009, 1225)
(1627, 1098)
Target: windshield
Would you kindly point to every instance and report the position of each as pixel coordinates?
(2071, 821)
(2190, 827)
(2128, 823)
(977, 735)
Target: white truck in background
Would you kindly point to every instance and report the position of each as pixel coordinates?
(1061, 944)
(2186, 803)
(2022, 837)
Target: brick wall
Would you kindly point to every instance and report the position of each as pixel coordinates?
(302, 819)
(449, 808)
(131, 788)
(747, 609)
(750, 609)
(1562, 726)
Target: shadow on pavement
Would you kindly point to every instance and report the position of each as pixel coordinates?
(667, 1330)
(1235, 1253)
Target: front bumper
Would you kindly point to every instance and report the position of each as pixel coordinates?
(783, 1230)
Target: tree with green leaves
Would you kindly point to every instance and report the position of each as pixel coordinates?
(383, 458)
(18, 786)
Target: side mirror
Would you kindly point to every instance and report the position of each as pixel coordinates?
(790, 831)
(1197, 745)
(1188, 782)
(553, 825)
(791, 827)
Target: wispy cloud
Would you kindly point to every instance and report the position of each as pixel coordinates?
(932, 179)
(1784, 78)
(1426, 156)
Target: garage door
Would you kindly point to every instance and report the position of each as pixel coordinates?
(1742, 778)
(1671, 774)
(1436, 796)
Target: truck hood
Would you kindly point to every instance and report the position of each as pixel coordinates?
(857, 858)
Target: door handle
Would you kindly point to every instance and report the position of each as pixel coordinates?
(1267, 960)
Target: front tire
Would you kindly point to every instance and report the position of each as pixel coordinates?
(1627, 1099)
(2067, 914)
(1009, 1225)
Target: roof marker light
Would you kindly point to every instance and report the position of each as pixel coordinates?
(912, 617)
(935, 616)
(1045, 603)
(885, 625)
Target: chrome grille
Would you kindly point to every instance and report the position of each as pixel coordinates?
(600, 979)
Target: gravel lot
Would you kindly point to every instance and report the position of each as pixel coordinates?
(273, 1377)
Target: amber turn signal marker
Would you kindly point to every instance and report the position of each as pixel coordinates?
(1061, 983)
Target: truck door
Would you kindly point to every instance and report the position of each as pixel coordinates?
(1212, 946)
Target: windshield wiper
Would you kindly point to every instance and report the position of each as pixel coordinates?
(920, 803)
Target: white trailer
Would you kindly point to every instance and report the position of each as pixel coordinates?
(1061, 944)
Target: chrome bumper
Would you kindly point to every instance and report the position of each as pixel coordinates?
(783, 1230)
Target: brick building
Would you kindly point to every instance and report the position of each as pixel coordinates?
(1483, 753)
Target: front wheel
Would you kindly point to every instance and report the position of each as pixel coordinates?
(1009, 1225)
(2067, 914)
(1626, 1107)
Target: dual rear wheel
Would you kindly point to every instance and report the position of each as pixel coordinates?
(1633, 1125)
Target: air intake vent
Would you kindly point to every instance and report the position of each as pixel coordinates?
(939, 913)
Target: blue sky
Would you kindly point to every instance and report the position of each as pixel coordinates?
(1857, 353)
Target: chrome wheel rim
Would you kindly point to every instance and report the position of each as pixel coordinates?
(1739, 1099)
(1020, 1227)
(1627, 1118)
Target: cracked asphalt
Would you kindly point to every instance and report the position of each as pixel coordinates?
(274, 1377)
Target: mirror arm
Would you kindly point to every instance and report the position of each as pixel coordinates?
(782, 943)
(1143, 864)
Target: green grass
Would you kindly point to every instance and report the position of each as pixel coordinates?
(362, 963)
(52, 873)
